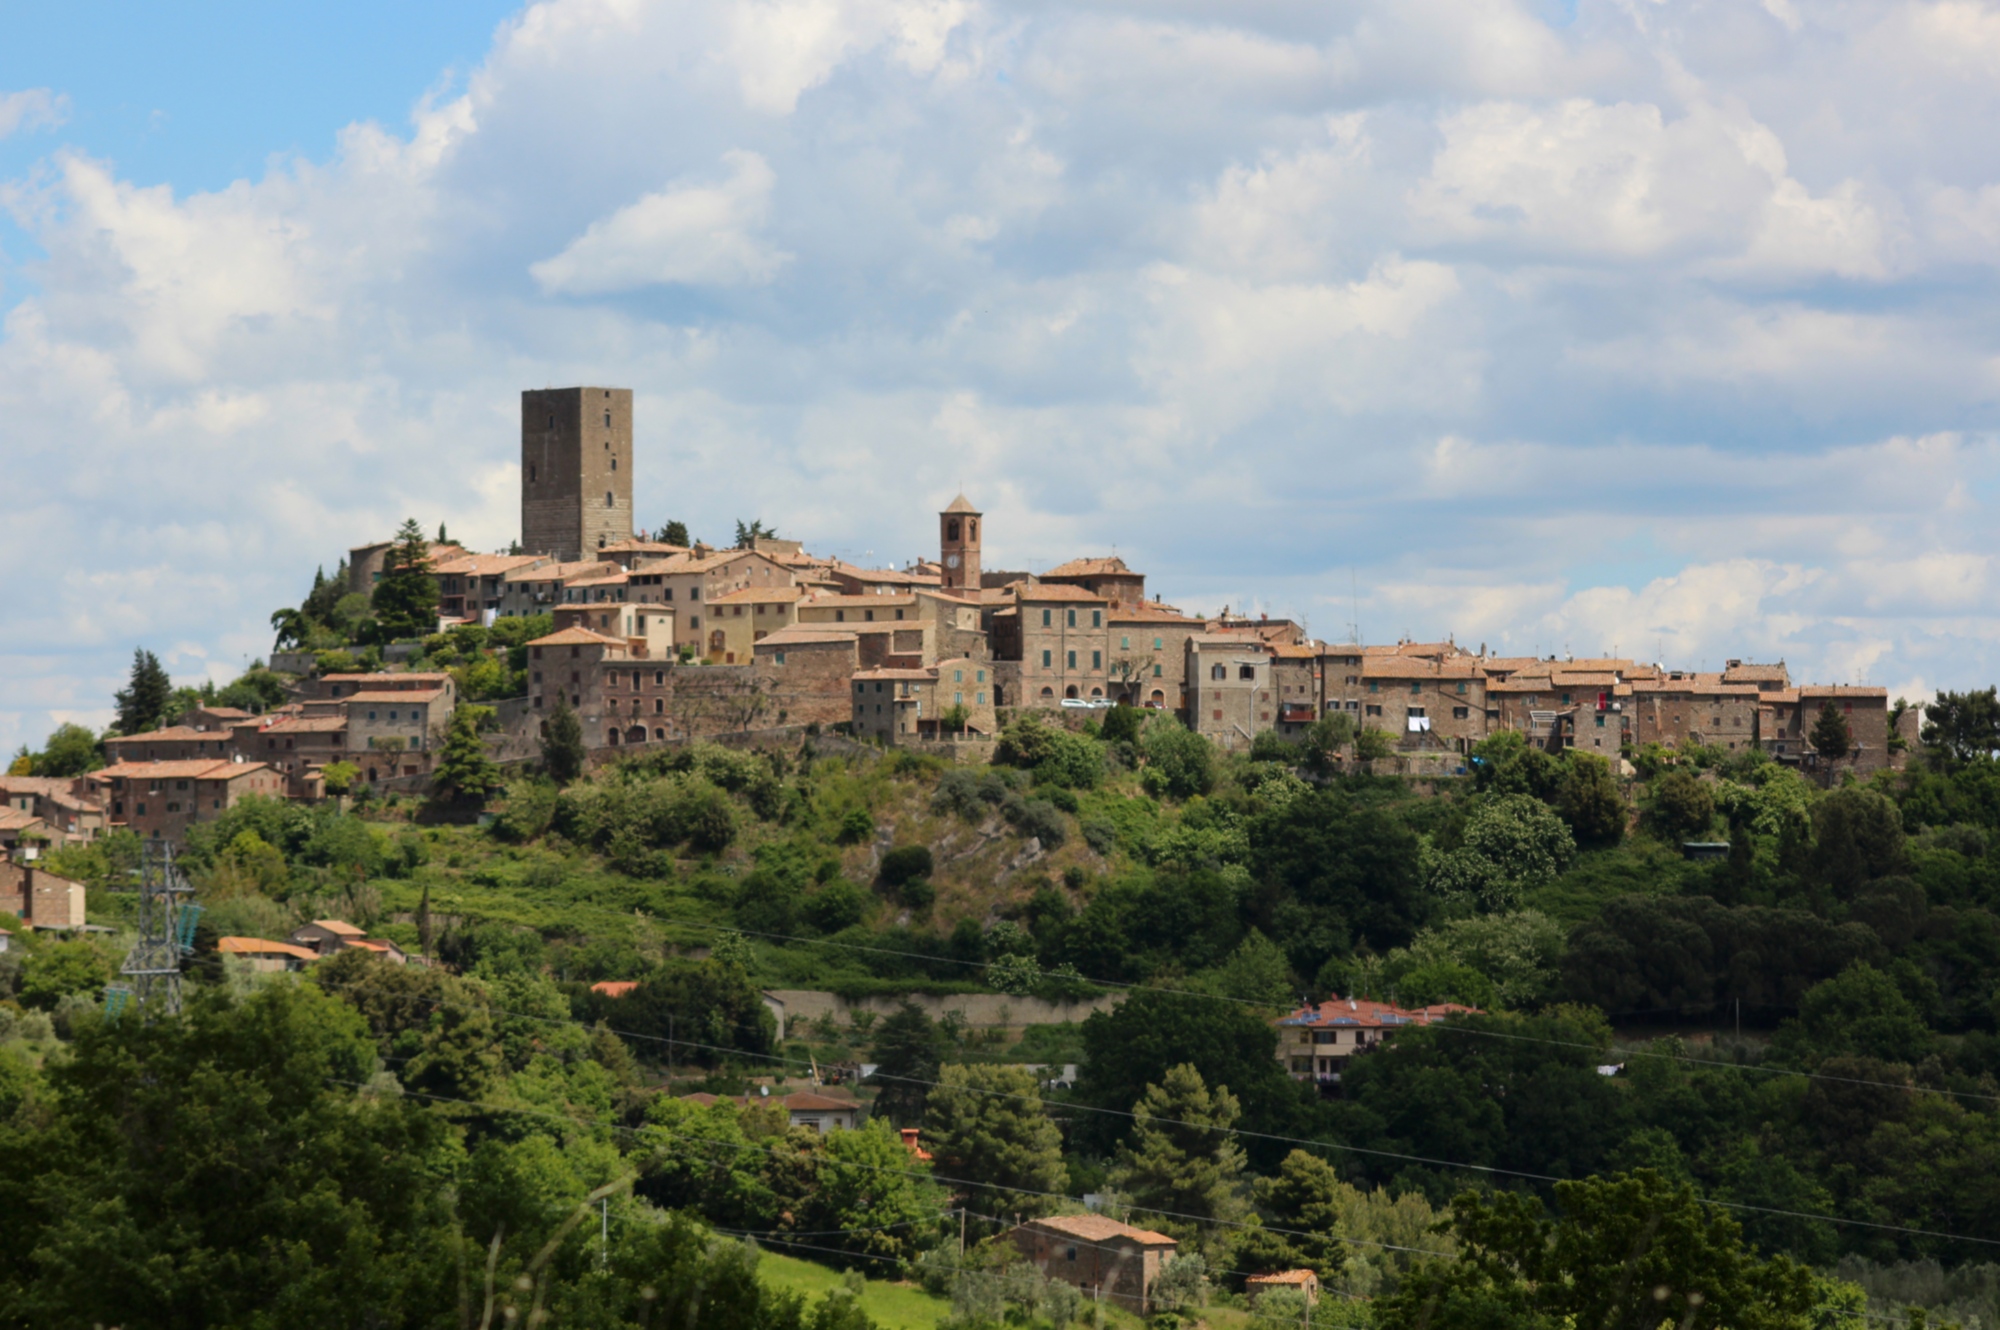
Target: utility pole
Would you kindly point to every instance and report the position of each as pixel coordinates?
(604, 1233)
(961, 1234)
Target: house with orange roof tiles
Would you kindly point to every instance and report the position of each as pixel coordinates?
(1316, 1041)
(899, 705)
(159, 801)
(1099, 1256)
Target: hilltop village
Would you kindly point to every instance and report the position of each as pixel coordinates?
(652, 642)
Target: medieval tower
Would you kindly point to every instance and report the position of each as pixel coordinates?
(958, 547)
(576, 470)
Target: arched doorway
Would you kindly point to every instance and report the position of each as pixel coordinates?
(1049, 694)
(1159, 698)
(614, 737)
(715, 642)
(636, 735)
(1070, 691)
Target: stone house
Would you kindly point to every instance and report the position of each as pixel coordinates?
(1061, 640)
(1315, 1042)
(1866, 711)
(897, 705)
(806, 672)
(1683, 706)
(267, 957)
(538, 588)
(161, 800)
(366, 563)
(1120, 587)
(648, 630)
(689, 581)
(67, 807)
(472, 586)
(1146, 647)
(176, 743)
(1305, 1281)
(1424, 702)
(1101, 1257)
(1296, 679)
(739, 619)
(1230, 694)
(39, 898)
(396, 731)
(298, 745)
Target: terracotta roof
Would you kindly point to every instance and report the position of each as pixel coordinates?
(1841, 690)
(887, 576)
(1147, 611)
(859, 602)
(637, 546)
(810, 1102)
(762, 595)
(929, 675)
(1111, 567)
(1298, 1278)
(677, 565)
(396, 695)
(1418, 667)
(806, 634)
(257, 946)
(617, 988)
(1035, 592)
(1098, 1228)
(322, 724)
(339, 927)
(1366, 1013)
(390, 676)
(1431, 649)
(224, 713)
(1746, 672)
(962, 505)
(485, 565)
(577, 637)
(201, 768)
(553, 572)
(1230, 641)
(13, 819)
(171, 734)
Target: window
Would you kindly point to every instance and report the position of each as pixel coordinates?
(1461, 686)
(659, 676)
(1375, 687)
(371, 715)
(607, 420)
(1418, 712)
(1218, 671)
(531, 473)
(1156, 671)
(614, 465)
(1416, 688)
(1045, 618)
(1158, 643)
(694, 593)
(1460, 713)
(958, 699)
(1246, 671)
(980, 698)
(1072, 660)
(958, 676)
(979, 676)
(1218, 713)
(1097, 618)
(1373, 709)
(1600, 722)
(1047, 659)
(1072, 618)
(607, 499)
(1124, 644)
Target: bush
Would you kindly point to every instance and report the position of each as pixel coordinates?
(837, 905)
(905, 864)
(918, 894)
(857, 826)
(1180, 764)
(529, 809)
(1270, 746)
(1682, 805)
(969, 793)
(1100, 835)
(1037, 818)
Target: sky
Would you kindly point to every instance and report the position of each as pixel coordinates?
(1662, 328)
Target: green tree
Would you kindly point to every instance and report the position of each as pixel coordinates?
(55, 972)
(1373, 744)
(1587, 797)
(987, 1127)
(70, 751)
(1629, 1252)
(1831, 737)
(908, 1052)
(748, 536)
(675, 532)
(1512, 844)
(1306, 1200)
(340, 777)
(464, 773)
(1963, 727)
(865, 1194)
(1181, 1167)
(1858, 1013)
(563, 751)
(142, 703)
(1180, 764)
(1682, 805)
(406, 598)
(1325, 740)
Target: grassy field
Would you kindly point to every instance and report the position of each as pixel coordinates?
(894, 1306)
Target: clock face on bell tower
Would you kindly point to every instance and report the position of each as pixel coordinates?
(958, 541)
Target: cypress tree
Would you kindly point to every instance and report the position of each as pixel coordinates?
(407, 597)
(1830, 734)
(562, 743)
(143, 702)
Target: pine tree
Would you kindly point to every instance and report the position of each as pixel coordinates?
(675, 533)
(464, 772)
(142, 704)
(406, 599)
(562, 743)
(1830, 734)
(1181, 1161)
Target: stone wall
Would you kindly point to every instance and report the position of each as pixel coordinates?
(982, 1011)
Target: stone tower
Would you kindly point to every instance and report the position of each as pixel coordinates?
(958, 544)
(576, 470)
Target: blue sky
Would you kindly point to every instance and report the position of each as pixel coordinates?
(1667, 326)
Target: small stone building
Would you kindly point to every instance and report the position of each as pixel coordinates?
(1102, 1257)
(1305, 1281)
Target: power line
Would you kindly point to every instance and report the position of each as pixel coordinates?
(1452, 1027)
(1273, 1137)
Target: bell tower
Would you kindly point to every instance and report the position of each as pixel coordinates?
(958, 546)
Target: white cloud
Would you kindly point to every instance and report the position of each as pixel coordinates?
(696, 235)
(1668, 324)
(33, 108)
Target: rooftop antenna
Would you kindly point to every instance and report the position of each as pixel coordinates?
(166, 934)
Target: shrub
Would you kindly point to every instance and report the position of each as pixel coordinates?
(918, 894)
(1180, 764)
(906, 863)
(857, 825)
(1037, 818)
(837, 905)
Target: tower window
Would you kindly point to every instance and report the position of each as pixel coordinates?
(531, 473)
(607, 499)
(614, 464)
(607, 420)
(972, 529)
(951, 529)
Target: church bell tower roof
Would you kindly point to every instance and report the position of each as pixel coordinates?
(962, 505)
